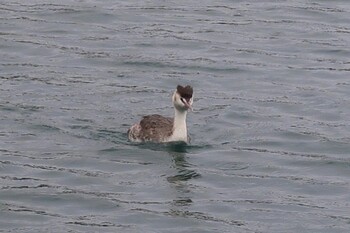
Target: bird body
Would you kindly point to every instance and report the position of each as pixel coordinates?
(157, 128)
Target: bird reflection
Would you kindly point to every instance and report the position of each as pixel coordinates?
(183, 168)
(184, 172)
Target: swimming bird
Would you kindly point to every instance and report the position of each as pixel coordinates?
(157, 128)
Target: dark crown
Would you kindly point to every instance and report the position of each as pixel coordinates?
(185, 92)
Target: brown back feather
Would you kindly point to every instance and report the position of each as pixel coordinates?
(156, 127)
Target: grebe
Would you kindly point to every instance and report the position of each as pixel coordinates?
(156, 128)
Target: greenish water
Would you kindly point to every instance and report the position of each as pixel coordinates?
(270, 127)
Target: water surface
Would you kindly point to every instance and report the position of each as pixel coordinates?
(270, 127)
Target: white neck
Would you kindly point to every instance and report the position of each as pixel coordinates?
(179, 128)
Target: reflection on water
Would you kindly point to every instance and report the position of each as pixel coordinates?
(183, 168)
(183, 192)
